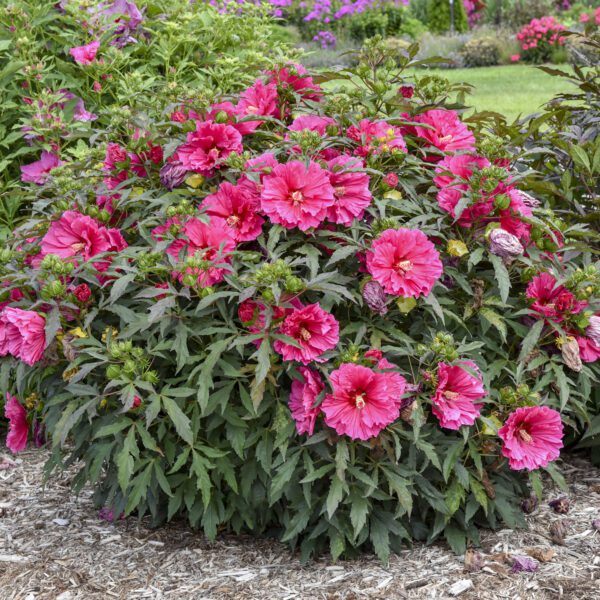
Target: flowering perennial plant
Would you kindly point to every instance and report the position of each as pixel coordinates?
(539, 38)
(303, 324)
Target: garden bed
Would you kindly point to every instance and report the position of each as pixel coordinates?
(54, 546)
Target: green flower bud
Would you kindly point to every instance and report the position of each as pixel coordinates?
(113, 372)
(502, 202)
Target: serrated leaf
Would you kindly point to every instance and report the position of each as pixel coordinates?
(335, 495)
(179, 419)
(531, 339)
(494, 319)
(119, 286)
(502, 276)
(380, 538)
(359, 509)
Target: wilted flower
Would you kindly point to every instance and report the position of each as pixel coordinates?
(560, 505)
(596, 524)
(457, 248)
(374, 296)
(593, 330)
(505, 244)
(524, 564)
(571, 355)
(172, 174)
(528, 505)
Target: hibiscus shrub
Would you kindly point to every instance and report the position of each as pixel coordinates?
(69, 69)
(333, 315)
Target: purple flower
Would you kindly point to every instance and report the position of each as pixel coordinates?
(593, 330)
(524, 564)
(172, 174)
(375, 297)
(505, 244)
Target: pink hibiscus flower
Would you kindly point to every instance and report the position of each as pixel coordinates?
(362, 403)
(263, 164)
(302, 398)
(551, 299)
(589, 349)
(350, 190)
(84, 55)
(295, 77)
(445, 131)
(404, 262)
(22, 334)
(208, 147)
(294, 195)
(233, 114)
(532, 437)
(238, 206)
(315, 331)
(259, 99)
(37, 172)
(212, 242)
(375, 137)
(457, 390)
(18, 429)
(75, 234)
(312, 123)
(454, 173)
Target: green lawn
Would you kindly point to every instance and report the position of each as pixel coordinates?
(511, 90)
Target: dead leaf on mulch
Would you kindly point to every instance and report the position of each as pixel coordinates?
(474, 561)
(542, 554)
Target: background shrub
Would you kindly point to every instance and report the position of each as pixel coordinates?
(438, 17)
(481, 52)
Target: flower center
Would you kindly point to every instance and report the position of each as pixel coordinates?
(359, 401)
(446, 138)
(297, 197)
(525, 436)
(78, 246)
(403, 266)
(450, 395)
(340, 191)
(305, 334)
(233, 220)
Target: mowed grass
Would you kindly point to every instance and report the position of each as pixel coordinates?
(511, 90)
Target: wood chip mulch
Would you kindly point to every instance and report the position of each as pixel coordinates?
(53, 546)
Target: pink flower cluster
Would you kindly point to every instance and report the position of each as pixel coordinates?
(539, 32)
(586, 17)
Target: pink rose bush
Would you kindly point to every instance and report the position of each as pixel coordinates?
(282, 309)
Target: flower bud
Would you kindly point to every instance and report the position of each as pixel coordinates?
(593, 330)
(505, 244)
(172, 174)
(374, 296)
(82, 292)
(502, 202)
(113, 372)
(570, 354)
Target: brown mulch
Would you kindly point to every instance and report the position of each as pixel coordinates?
(53, 546)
